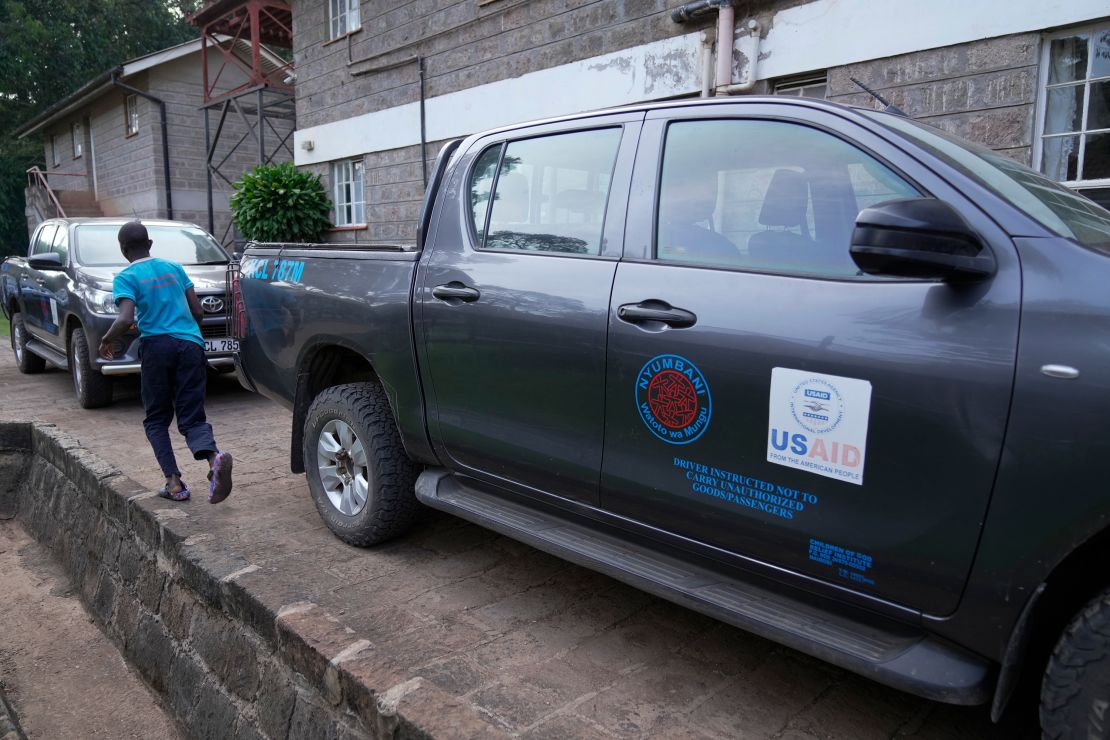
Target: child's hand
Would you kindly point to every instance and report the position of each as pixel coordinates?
(106, 350)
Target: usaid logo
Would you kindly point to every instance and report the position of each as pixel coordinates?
(212, 304)
(817, 406)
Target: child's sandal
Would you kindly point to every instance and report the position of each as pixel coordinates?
(182, 495)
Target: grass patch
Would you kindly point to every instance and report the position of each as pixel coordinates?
(5, 329)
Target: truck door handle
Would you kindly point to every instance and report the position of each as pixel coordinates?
(456, 291)
(660, 311)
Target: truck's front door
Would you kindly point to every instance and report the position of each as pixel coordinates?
(514, 303)
(37, 310)
(57, 291)
(765, 397)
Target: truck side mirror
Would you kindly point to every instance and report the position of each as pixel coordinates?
(919, 238)
(46, 261)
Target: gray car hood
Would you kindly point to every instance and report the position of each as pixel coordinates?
(206, 278)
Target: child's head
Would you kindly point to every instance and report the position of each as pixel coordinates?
(134, 242)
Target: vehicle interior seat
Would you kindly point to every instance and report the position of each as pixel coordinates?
(785, 207)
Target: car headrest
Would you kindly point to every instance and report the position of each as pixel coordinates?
(786, 201)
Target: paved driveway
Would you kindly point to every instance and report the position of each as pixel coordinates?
(546, 648)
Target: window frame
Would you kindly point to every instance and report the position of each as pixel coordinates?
(351, 6)
(55, 153)
(77, 137)
(130, 110)
(335, 183)
(653, 247)
(478, 244)
(38, 238)
(800, 82)
(1041, 111)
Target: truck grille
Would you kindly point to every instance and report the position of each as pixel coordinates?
(213, 331)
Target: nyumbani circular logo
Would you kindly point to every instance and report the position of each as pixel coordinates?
(672, 397)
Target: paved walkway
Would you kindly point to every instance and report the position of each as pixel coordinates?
(546, 648)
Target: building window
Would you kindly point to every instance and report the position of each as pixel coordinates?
(55, 150)
(343, 17)
(350, 204)
(131, 114)
(1074, 111)
(810, 86)
(76, 132)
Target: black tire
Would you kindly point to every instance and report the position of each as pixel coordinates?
(390, 506)
(28, 363)
(1075, 693)
(93, 389)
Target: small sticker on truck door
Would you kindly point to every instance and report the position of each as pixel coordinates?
(818, 423)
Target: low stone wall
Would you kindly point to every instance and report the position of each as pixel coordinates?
(229, 661)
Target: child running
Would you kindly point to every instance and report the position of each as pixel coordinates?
(171, 351)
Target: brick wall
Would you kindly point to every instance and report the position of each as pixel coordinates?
(984, 91)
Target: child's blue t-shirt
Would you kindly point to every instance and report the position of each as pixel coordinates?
(157, 287)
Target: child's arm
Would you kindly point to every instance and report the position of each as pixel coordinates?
(125, 319)
(194, 305)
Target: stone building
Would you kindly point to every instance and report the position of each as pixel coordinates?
(103, 144)
(1025, 77)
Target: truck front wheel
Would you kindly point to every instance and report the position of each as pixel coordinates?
(1075, 694)
(358, 473)
(26, 362)
(92, 388)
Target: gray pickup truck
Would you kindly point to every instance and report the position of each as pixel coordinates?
(820, 372)
(58, 299)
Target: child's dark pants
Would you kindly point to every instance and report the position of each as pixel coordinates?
(173, 379)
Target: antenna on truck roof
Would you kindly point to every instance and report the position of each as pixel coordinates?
(890, 107)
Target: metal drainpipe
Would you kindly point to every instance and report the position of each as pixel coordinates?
(726, 35)
(165, 136)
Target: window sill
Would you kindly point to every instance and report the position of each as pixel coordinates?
(337, 39)
(349, 227)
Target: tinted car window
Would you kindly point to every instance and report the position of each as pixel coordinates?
(44, 240)
(766, 195)
(61, 243)
(550, 193)
(97, 245)
(481, 183)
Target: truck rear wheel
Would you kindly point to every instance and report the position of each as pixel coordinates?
(92, 388)
(358, 473)
(1075, 693)
(26, 362)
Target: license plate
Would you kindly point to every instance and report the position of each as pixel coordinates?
(221, 345)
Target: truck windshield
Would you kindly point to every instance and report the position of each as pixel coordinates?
(187, 245)
(1058, 209)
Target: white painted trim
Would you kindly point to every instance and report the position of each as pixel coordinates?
(810, 37)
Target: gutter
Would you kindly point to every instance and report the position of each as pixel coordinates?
(165, 135)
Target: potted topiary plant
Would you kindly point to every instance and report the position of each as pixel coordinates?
(279, 203)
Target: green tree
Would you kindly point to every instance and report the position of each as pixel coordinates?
(48, 49)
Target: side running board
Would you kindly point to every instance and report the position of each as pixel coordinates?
(48, 353)
(886, 651)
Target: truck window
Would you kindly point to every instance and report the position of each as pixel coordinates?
(481, 183)
(766, 195)
(44, 240)
(550, 193)
(61, 243)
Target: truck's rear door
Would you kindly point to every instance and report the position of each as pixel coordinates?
(514, 302)
(767, 399)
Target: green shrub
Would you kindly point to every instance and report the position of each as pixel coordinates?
(279, 203)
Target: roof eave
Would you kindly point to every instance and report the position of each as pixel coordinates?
(91, 89)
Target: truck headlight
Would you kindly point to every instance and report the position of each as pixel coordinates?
(100, 301)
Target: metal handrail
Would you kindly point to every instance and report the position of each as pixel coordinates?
(37, 178)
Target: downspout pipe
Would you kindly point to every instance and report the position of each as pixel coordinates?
(165, 135)
(752, 53)
(726, 36)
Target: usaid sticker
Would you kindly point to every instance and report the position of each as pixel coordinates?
(673, 399)
(818, 423)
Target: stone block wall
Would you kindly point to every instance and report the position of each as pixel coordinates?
(984, 91)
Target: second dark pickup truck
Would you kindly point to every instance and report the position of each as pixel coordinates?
(823, 373)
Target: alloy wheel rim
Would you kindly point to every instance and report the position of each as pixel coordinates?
(17, 341)
(344, 470)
